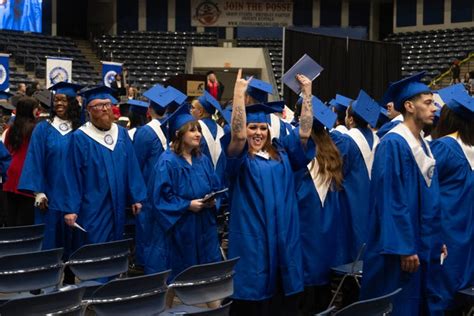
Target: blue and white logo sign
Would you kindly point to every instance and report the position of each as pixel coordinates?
(4, 72)
(58, 74)
(109, 70)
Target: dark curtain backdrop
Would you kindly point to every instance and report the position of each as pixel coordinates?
(349, 65)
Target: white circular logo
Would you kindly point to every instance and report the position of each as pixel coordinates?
(108, 139)
(3, 74)
(109, 77)
(431, 171)
(58, 74)
(63, 126)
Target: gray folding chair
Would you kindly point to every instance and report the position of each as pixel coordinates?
(378, 306)
(143, 295)
(30, 271)
(203, 284)
(58, 303)
(21, 239)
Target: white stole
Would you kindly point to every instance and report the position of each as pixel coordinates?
(107, 139)
(365, 150)
(321, 186)
(341, 129)
(274, 126)
(156, 127)
(131, 133)
(214, 145)
(426, 163)
(467, 150)
(62, 126)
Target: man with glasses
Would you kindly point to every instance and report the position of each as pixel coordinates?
(102, 175)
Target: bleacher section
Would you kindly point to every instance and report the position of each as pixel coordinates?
(16, 77)
(30, 50)
(433, 51)
(275, 50)
(151, 57)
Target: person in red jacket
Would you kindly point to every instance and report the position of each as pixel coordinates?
(20, 205)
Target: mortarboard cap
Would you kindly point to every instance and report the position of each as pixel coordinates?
(209, 103)
(259, 90)
(383, 117)
(164, 98)
(44, 96)
(402, 90)
(4, 95)
(66, 88)
(258, 113)
(99, 92)
(458, 100)
(177, 119)
(137, 106)
(366, 108)
(323, 114)
(153, 94)
(305, 66)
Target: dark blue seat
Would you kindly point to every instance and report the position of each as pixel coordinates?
(21, 239)
(373, 307)
(143, 295)
(57, 303)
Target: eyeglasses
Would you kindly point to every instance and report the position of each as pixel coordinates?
(101, 106)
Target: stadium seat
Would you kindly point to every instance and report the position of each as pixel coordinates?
(21, 239)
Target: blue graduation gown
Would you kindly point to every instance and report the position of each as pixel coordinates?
(148, 148)
(404, 220)
(456, 181)
(100, 183)
(264, 225)
(322, 236)
(384, 129)
(42, 173)
(5, 160)
(354, 198)
(181, 238)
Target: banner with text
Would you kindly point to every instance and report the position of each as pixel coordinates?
(278, 13)
(58, 69)
(4, 72)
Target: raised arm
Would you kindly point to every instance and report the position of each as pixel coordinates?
(238, 121)
(306, 118)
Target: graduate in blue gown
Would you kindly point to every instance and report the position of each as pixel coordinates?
(454, 153)
(42, 170)
(339, 105)
(184, 226)
(404, 240)
(357, 147)
(394, 116)
(5, 160)
(101, 173)
(317, 188)
(149, 143)
(264, 224)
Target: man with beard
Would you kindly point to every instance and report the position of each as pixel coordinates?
(102, 175)
(404, 241)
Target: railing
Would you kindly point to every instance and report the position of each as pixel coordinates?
(448, 72)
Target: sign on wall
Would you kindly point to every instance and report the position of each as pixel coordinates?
(241, 13)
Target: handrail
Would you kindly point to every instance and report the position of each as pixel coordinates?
(447, 72)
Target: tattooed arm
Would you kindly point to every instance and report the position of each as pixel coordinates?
(238, 123)
(306, 118)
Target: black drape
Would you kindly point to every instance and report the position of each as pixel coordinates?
(349, 65)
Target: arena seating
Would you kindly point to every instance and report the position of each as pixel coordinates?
(151, 57)
(274, 46)
(30, 50)
(433, 51)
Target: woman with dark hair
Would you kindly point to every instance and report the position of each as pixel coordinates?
(453, 150)
(46, 153)
(317, 188)
(20, 205)
(183, 223)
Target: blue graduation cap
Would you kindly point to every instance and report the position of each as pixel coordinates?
(366, 108)
(163, 97)
(4, 95)
(66, 88)
(138, 106)
(383, 117)
(100, 92)
(457, 99)
(154, 95)
(259, 90)
(209, 103)
(402, 90)
(322, 113)
(258, 113)
(177, 119)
